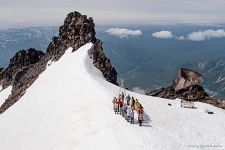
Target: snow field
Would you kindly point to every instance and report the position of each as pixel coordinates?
(69, 107)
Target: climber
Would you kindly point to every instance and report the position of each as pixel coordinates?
(132, 116)
(140, 118)
(125, 112)
(137, 105)
(132, 102)
(117, 106)
(141, 109)
(114, 104)
(122, 96)
(128, 113)
(128, 99)
(120, 106)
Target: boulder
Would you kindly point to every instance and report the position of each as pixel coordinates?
(187, 78)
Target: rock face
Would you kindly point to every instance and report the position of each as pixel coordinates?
(192, 93)
(215, 102)
(22, 60)
(187, 78)
(103, 63)
(187, 86)
(76, 31)
(26, 66)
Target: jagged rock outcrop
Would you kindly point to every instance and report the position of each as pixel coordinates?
(191, 93)
(103, 63)
(22, 60)
(215, 102)
(187, 86)
(1, 69)
(187, 78)
(76, 31)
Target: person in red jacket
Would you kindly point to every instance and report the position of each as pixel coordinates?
(120, 105)
(117, 106)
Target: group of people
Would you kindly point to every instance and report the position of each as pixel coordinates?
(126, 106)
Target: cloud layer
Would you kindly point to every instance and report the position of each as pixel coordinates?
(163, 34)
(53, 12)
(123, 32)
(205, 35)
(194, 36)
(138, 90)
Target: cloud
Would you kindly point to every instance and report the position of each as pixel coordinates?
(138, 90)
(180, 38)
(203, 35)
(163, 34)
(53, 12)
(123, 32)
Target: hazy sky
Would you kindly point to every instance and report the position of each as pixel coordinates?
(19, 13)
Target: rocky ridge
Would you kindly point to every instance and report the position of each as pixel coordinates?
(19, 64)
(26, 66)
(187, 86)
(1, 69)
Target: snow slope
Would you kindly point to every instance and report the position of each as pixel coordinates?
(4, 94)
(69, 107)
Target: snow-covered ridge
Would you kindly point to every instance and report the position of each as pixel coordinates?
(4, 94)
(76, 31)
(70, 107)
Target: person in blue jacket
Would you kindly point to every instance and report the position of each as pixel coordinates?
(128, 113)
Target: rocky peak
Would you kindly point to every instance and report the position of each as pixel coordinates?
(76, 31)
(26, 66)
(187, 87)
(187, 78)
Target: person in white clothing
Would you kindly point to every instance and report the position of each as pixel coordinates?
(128, 113)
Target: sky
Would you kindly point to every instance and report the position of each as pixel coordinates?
(23, 13)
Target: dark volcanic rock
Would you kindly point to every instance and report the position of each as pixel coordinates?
(187, 86)
(103, 63)
(22, 60)
(76, 31)
(25, 68)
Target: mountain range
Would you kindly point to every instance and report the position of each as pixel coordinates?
(145, 67)
(63, 100)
